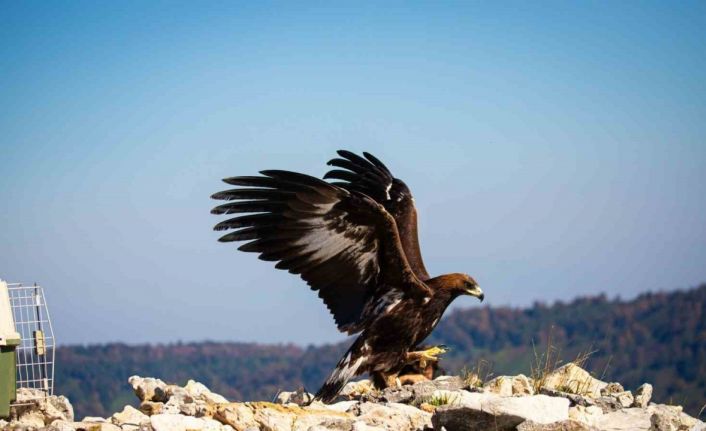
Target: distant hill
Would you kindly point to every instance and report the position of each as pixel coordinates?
(657, 337)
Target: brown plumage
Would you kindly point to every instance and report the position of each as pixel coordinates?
(355, 242)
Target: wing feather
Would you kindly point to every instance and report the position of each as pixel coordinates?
(370, 176)
(341, 242)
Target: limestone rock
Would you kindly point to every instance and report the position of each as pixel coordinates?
(588, 415)
(130, 418)
(461, 418)
(537, 408)
(299, 397)
(62, 425)
(94, 419)
(643, 395)
(188, 403)
(175, 422)
(38, 410)
(392, 416)
(341, 406)
(57, 407)
(612, 388)
(510, 385)
(522, 385)
(576, 400)
(450, 383)
(478, 410)
(200, 392)
(354, 390)
(151, 407)
(501, 385)
(237, 415)
(574, 379)
(670, 418)
(567, 425)
(608, 404)
(30, 417)
(149, 389)
(625, 399)
(633, 419)
(417, 393)
(270, 416)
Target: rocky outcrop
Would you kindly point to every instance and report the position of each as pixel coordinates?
(569, 399)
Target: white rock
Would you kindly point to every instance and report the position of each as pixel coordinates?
(643, 395)
(62, 425)
(172, 422)
(612, 388)
(299, 397)
(393, 416)
(341, 406)
(474, 409)
(362, 426)
(537, 408)
(501, 385)
(237, 415)
(94, 419)
(634, 419)
(670, 418)
(522, 385)
(30, 418)
(356, 389)
(58, 424)
(130, 418)
(625, 399)
(57, 407)
(510, 385)
(587, 415)
(574, 379)
(148, 388)
(201, 392)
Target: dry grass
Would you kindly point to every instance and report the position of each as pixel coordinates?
(546, 362)
(478, 374)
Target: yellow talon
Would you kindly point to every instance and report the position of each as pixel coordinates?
(431, 354)
(435, 351)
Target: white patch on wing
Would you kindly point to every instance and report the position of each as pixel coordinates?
(392, 306)
(324, 242)
(388, 301)
(387, 191)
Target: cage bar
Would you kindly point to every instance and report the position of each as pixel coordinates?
(35, 353)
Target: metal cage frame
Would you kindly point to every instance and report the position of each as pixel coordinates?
(37, 349)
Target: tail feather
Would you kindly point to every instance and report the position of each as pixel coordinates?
(347, 368)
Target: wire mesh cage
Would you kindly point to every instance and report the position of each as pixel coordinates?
(35, 353)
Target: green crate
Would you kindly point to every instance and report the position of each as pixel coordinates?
(8, 382)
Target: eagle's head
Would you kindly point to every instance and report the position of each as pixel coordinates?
(462, 284)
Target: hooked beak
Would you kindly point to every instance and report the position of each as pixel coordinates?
(477, 292)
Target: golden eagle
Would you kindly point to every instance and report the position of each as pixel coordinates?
(354, 240)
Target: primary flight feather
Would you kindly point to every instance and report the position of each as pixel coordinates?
(354, 241)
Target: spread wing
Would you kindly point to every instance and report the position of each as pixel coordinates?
(342, 243)
(370, 176)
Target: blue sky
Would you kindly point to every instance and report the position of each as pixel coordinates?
(555, 149)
